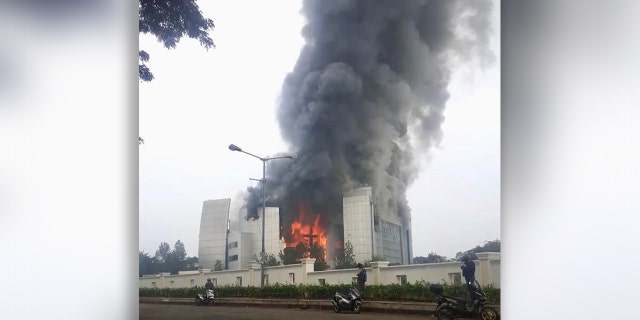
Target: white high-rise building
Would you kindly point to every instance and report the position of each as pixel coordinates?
(374, 233)
(213, 232)
(244, 242)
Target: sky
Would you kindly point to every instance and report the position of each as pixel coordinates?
(201, 101)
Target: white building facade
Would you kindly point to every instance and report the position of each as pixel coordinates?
(374, 233)
(244, 242)
(213, 232)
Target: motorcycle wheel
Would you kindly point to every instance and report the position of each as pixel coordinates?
(210, 302)
(337, 309)
(446, 313)
(356, 307)
(488, 313)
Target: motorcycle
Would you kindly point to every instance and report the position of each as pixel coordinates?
(205, 299)
(452, 307)
(351, 299)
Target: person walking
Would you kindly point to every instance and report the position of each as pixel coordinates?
(362, 278)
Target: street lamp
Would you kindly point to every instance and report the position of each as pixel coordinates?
(264, 160)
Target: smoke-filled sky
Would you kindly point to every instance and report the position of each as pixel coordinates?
(405, 99)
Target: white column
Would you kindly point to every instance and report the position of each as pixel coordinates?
(376, 265)
(483, 274)
(307, 265)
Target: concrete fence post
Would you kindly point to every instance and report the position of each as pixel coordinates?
(484, 273)
(376, 265)
(308, 265)
(254, 275)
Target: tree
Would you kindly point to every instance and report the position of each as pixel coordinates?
(270, 260)
(191, 263)
(317, 252)
(293, 255)
(145, 264)
(431, 258)
(162, 252)
(489, 246)
(346, 259)
(170, 21)
(180, 251)
(217, 266)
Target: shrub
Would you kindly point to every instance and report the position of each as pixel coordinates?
(390, 292)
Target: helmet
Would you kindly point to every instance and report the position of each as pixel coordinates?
(465, 258)
(359, 265)
(208, 279)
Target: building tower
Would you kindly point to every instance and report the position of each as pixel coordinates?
(373, 233)
(213, 233)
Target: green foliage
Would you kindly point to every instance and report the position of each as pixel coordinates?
(489, 246)
(431, 258)
(145, 264)
(166, 260)
(217, 266)
(346, 259)
(170, 21)
(293, 255)
(270, 260)
(418, 291)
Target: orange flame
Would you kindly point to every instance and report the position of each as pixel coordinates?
(305, 232)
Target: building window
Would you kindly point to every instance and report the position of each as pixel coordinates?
(215, 282)
(354, 281)
(266, 279)
(322, 282)
(239, 281)
(233, 257)
(233, 245)
(192, 282)
(171, 283)
(402, 279)
(455, 278)
(292, 278)
(154, 285)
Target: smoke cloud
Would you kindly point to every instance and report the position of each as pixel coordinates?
(367, 95)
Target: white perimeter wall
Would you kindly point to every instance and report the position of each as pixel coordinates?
(487, 272)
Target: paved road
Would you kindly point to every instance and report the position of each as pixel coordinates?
(191, 312)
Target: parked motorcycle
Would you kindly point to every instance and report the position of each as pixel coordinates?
(351, 300)
(206, 299)
(452, 307)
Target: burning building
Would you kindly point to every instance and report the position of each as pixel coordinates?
(363, 103)
(371, 232)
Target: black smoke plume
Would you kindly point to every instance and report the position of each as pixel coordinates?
(367, 93)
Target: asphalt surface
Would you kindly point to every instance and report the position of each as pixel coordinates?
(192, 312)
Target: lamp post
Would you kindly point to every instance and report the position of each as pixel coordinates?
(264, 160)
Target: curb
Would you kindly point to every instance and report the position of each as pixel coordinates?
(397, 307)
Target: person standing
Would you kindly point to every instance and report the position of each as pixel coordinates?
(469, 273)
(362, 278)
(468, 270)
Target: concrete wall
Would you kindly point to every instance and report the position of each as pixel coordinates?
(344, 276)
(487, 272)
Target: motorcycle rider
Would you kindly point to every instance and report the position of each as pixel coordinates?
(362, 278)
(208, 286)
